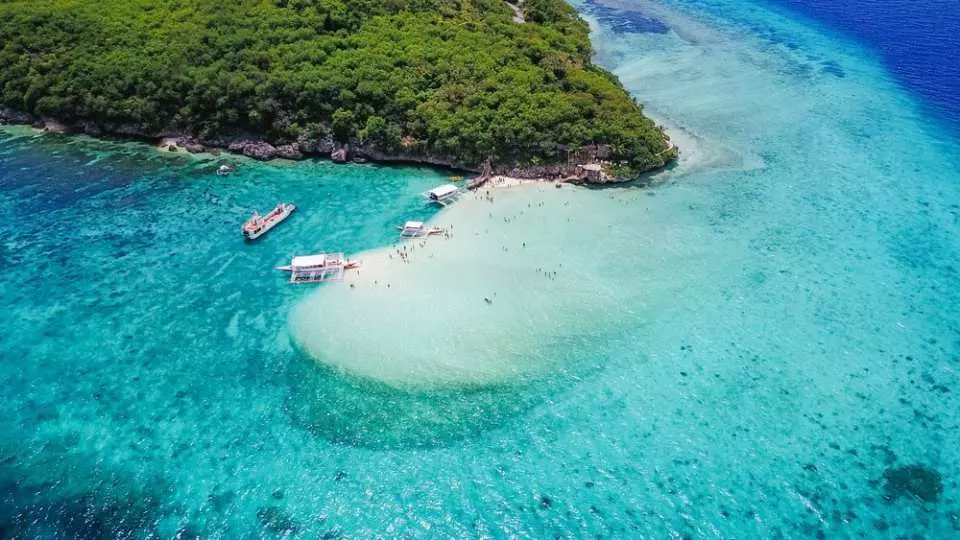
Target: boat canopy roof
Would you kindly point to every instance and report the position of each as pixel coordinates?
(309, 260)
(413, 225)
(444, 190)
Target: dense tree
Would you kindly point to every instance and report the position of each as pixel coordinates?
(456, 77)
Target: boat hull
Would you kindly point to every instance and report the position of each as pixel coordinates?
(251, 235)
(350, 264)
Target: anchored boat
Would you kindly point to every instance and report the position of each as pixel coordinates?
(443, 195)
(258, 225)
(319, 268)
(417, 229)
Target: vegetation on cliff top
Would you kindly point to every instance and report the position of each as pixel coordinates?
(452, 77)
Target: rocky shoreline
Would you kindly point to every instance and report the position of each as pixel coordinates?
(585, 166)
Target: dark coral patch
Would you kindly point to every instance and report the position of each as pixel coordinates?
(273, 518)
(913, 481)
(833, 68)
(625, 21)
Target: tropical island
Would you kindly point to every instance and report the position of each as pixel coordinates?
(481, 85)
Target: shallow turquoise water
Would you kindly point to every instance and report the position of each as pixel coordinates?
(788, 334)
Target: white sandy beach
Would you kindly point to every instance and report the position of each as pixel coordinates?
(522, 268)
(405, 317)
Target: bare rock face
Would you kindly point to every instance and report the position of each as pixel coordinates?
(289, 151)
(91, 128)
(254, 149)
(549, 172)
(128, 130)
(373, 153)
(52, 125)
(314, 146)
(339, 155)
(260, 150)
(581, 165)
(326, 145)
(169, 144)
(192, 146)
(306, 145)
(13, 116)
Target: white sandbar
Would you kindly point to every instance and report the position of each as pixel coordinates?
(511, 277)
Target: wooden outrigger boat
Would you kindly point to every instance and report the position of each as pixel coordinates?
(319, 268)
(258, 225)
(417, 229)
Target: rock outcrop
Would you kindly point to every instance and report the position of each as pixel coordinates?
(52, 125)
(549, 172)
(339, 155)
(258, 150)
(582, 164)
(169, 144)
(12, 116)
(289, 151)
(90, 128)
(311, 146)
(192, 146)
(374, 154)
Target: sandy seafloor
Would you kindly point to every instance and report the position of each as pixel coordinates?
(749, 345)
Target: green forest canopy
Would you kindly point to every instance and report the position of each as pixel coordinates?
(454, 77)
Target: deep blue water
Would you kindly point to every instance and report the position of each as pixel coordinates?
(624, 21)
(918, 41)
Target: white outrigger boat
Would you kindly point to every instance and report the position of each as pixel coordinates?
(258, 225)
(443, 195)
(319, 268)
(417, 229)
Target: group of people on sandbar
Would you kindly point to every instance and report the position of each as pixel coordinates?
(405, 249)
(549, 274)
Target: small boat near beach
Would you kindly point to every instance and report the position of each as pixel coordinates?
(225, 170)
(319, 268)
(299, 262)
(417, 229)
(258, 225)
(443, 195)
